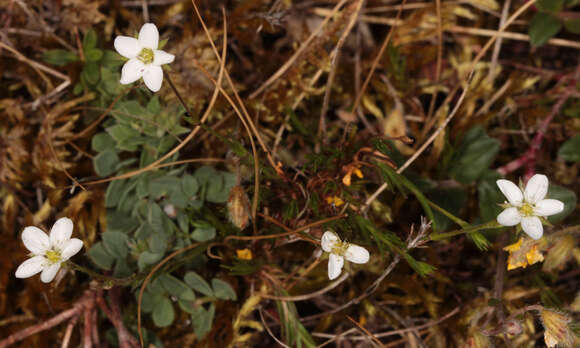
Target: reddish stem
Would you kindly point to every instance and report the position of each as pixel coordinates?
(529, 158)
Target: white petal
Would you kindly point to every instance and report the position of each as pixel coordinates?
(71, 247)
(532, 225)
(328, 241)
(547, 207)
(162, 57)
(149, 36)
(335, 263)
(357, 254)
(61, 232)
(153, 77)
(132, 71)
(128, 47)
(35, 240)
(30, 267)
(509, 217)
(49, 272)
(536, 188)
(511, 192)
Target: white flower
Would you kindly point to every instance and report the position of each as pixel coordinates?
(145, 59)
(527, 207)
(48, 253)
(340, 250)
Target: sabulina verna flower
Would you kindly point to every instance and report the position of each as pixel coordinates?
(48, 252)
(528, 207)
(145, 59)
(340, 250)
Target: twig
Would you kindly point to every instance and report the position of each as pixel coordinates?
(366, 332)
(529, 158)
(455, 109)
(334, 59)
(298, 52)
(76, 310)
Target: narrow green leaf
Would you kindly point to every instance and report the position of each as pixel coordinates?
(198, 283)
(223, 290)
(59, 57)
(202, 320)
(176, 287)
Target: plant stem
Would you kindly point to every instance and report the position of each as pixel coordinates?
(105, 279)
(178, 96)
(440, 236)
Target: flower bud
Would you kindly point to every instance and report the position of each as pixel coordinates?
(239, 207)
(513, 327)
(557, 331)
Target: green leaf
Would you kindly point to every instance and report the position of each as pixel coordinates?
(422, 268)
(543, 27)
(550, 5)
(564, 195)
(189, 185)
(203, 233)
(112, 60)
(93, 55)
(476, 152)
(202, 320)
(90, 40)
(116, 243)
(114, 192)
(176, 287)
(572, 25)
(163, 313)
(198, 283)
(102, 141)
(223, 290)
(91, 73)
(570, 150)
(148, 258)
(150, 299)
(106, 162)
(100, 257)
(59, 57)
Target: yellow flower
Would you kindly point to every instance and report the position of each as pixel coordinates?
(244, 254)
(334, 200)
(351, 169)
(523, 253)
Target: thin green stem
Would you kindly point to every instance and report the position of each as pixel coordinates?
(110, 281)
(178, 95)
(489, 225)
(460, 222)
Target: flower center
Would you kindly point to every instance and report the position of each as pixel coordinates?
(526, 209)
(146, 56)
(339, 248)
(53, 256)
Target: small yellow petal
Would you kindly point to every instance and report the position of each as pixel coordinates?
(346, 179)
(358, 173)
(244, 254)
(514, 247)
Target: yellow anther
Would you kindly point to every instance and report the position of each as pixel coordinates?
(53, 256)
(146, 56)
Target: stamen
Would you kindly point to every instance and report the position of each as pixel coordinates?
(53, 256)
(146, 56)
(526, 209)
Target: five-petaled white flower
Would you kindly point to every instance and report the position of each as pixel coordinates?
(145, 59)
(527, 207)
(340, 250)
(48, 253)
